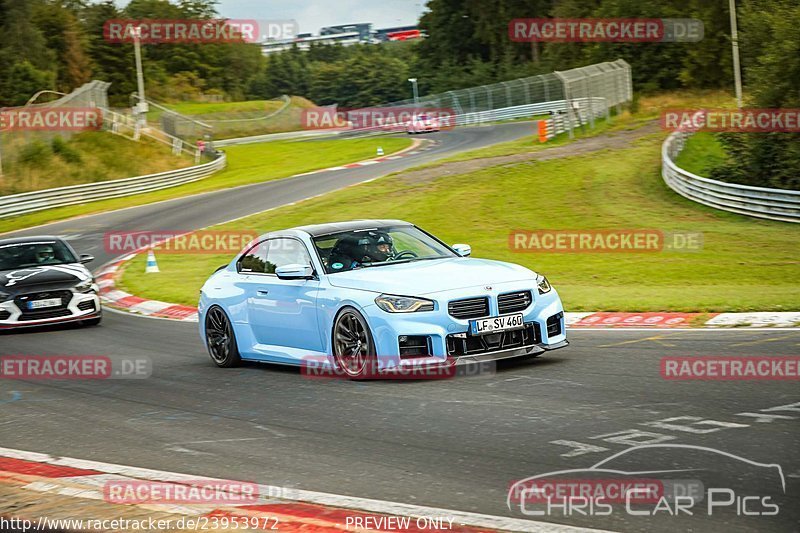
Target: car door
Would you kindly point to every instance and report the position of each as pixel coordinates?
(282, 313)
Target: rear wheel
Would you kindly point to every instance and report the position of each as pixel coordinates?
(353, 348)
(220, 339)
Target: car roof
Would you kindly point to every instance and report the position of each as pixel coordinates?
(318, 230)
(36, 238)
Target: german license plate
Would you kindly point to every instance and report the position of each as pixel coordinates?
(496, 324)
(40, 304)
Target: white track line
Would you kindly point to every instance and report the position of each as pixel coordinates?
(321, 498)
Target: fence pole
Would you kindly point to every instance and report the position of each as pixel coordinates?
(589, 99)
(567, 103)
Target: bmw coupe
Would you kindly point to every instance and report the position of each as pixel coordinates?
(372, 296)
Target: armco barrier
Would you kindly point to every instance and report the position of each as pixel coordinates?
(30, 202)
(761, 202)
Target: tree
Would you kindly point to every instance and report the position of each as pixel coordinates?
(65, 37)
(22, 81)
(768, 159)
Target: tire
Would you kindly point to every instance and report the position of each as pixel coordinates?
(92, 321)
(220, 339)
(351, 332)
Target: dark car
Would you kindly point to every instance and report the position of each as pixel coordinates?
(43, 281)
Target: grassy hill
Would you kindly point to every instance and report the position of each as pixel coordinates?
(85, 158)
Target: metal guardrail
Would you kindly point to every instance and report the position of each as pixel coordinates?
(583, 111)
(30, 202)
(761, 202)
(467, 119)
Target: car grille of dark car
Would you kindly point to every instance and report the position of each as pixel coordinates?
(513, 302)
(43, 315)
(554, 325)
(4, 315)
(87, 306)
(469, 308)
(461, 345)
(35, 314)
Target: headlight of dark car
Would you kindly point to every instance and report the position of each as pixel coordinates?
(543, 285)
(85, 286)
(403, 304)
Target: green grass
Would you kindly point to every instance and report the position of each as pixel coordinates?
(255, 107)
(250, 163)
(745, 264)
(701, 153)
(31, 165)
(240, 119)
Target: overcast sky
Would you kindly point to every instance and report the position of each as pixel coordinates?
(312, 15)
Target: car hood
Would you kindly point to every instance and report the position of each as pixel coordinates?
(430, 276)
(22, 279)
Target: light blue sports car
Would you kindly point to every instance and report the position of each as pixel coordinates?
(374, 297)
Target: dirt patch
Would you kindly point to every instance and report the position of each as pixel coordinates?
(614, 140)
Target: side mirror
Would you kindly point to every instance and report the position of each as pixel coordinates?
(295, 272)
(464, 250)
(86, 258)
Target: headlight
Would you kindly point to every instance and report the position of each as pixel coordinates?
(543, 284)
(85, 286)
(403, 304)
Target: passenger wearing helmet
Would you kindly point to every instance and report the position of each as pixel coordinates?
(46, 255)
(348, 253)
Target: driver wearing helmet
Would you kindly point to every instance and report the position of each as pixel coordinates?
(46, 255)
(380, 247)
(352, 251)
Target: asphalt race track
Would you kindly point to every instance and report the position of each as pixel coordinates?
(454, 444)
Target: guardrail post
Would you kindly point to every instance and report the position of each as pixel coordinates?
(567, 102)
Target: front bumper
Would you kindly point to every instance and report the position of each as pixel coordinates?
(448, 338)
(82, 306)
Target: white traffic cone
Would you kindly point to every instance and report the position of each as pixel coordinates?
(380, 150)
(152, 266)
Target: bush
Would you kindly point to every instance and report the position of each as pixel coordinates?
(35, 154)
(65, 151)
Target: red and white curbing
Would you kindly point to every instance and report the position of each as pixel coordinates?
(291, 509)
(682, 320)
(411, 150)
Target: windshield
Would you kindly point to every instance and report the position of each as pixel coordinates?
(31, 254)
(377, 246)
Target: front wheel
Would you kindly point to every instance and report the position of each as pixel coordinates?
(353, 348)
(220, 339)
